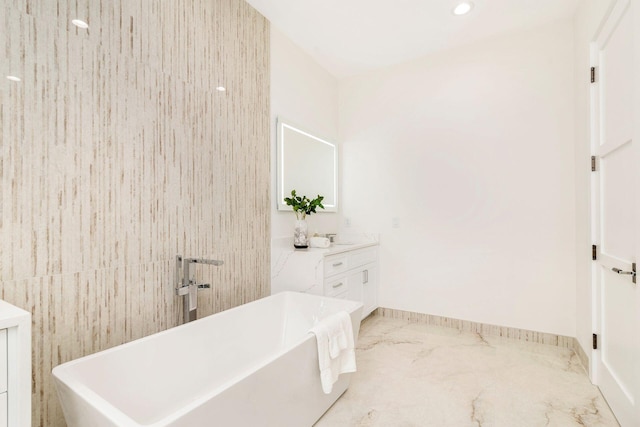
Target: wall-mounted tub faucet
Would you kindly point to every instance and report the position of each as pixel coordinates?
(188, 288)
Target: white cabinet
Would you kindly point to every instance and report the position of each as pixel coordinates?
(15, 366)
(349, 272)
(353, 275)
(4, 415)
(3, 360)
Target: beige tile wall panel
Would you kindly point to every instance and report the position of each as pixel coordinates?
(117, 153)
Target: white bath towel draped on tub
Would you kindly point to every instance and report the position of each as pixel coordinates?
(336, 354)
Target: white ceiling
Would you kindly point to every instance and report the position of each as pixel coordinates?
(348, 37)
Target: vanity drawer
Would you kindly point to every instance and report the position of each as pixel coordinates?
(362, 257)
(3, 361)
(335, 264)
(344, 295)
(336, 286)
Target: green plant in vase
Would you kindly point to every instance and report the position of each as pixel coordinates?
(302, 206)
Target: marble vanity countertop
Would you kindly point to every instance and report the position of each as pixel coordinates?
(337, 248)
(301, 269)
(343, 244)
(11, 315)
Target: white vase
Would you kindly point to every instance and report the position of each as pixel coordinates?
(301, 234)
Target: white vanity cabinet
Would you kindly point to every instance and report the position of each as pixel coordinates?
(4, 369)
(15, 366)
(342, 271)
(353, 275)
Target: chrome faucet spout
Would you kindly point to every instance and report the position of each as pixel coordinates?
(188, 288)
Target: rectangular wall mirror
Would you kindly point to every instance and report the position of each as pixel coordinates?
(307, 164)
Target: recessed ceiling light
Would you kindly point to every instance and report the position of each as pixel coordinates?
(80, 24)
(463, 8)
(221, 89)
(14, 78)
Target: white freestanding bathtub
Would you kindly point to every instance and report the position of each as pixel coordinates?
(253, 365)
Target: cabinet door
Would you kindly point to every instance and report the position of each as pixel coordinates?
(3, 360)
(363, 287)
(370, 289)
(355, 282)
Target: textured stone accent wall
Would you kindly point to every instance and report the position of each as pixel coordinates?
(116, 154)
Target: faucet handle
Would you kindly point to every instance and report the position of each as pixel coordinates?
(204, 261)
(182, 290)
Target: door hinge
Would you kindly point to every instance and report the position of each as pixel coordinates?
(593, 74)
(595, 341)
(594, 252)
(593, 163)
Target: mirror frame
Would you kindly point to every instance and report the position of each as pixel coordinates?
(281, 126)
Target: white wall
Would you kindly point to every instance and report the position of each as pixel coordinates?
(472, 152)
(307, 95)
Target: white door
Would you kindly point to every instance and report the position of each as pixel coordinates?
(616, 362)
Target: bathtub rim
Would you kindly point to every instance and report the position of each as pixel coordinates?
(72, 384)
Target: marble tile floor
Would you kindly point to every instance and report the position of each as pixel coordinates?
(412, 374)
